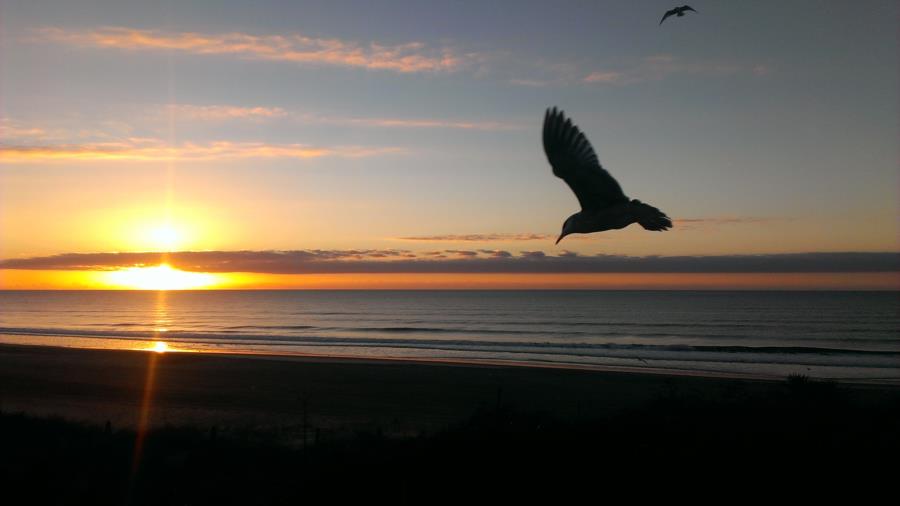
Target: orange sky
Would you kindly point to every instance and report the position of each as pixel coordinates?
(77, 280)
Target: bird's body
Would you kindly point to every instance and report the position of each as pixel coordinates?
(604, 205)
(615, 217)
(677, 12)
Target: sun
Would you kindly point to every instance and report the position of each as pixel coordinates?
(160, 347)
(160, 277)
(165, 237)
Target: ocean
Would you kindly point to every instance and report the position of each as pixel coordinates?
(840, 335)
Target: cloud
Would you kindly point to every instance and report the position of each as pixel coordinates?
(534, 83)
(658, 67)
(225, 112)
(496, 237)
(148, 149)
(762, 70)
(11, 129)
(463, 253)
(496, 253)
(539, 73)
(460, 261)
(698, 223)
(293, 48)
(610, 77)
(60, 140)
(478, 237)
(111, 140)
(241, 113)
(423, 123)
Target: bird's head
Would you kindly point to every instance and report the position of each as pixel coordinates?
(567, 228)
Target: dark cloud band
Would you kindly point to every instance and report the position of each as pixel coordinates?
(456, 261)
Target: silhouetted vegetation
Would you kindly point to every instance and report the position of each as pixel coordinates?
(800, 428)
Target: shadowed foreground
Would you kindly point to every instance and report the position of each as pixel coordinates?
(677, 438)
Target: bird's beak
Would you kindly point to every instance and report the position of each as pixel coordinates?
(560, 238)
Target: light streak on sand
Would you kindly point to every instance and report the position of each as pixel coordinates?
(144, 418)
(159, 347)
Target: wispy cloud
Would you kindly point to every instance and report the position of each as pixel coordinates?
(11, 129)
(610, 77)
(534, 83)
(424, 123)
(496, 253)
(478, 237)
(143, 149)
(462, 253)
(698, 223)
(224, 112)
(649, 68)
(294, 48)
(658, 67)
(497, 237)
(262, 113)
(460, 261)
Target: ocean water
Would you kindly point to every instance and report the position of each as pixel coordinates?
(768, 334)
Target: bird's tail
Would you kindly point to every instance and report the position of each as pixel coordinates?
(650, 217)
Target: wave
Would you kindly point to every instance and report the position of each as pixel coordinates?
(644, 332)
(270, 327)
(455, 344)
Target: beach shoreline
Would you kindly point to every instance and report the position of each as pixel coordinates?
(129, 344)
(444, 361)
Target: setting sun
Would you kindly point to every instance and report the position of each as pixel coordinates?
(160, 347)
(161, 277)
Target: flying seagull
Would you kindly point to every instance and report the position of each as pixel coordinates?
(677, 11)
(603, 204)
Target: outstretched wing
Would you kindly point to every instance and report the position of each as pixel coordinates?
(667, 14)
(687, 8)
(573, 159)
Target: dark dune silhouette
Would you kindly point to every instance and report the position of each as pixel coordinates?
(603, 204)
(677, 11)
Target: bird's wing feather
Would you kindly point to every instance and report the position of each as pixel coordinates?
(574, 161)
(687, 8)
(667, 14)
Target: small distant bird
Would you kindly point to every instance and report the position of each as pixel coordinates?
(677, 11)
(603, 204)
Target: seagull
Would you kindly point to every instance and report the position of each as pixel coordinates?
(603, 204)
(677, 11)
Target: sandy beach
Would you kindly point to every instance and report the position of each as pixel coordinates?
(398, 397)
(271, 430)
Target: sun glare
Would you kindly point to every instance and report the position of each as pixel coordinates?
(165, 237)
(161, 277)
(160, 347)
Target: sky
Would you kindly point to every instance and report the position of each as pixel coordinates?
(397, 144)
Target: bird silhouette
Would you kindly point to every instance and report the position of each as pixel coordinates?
(677, 11)
(603, 204)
